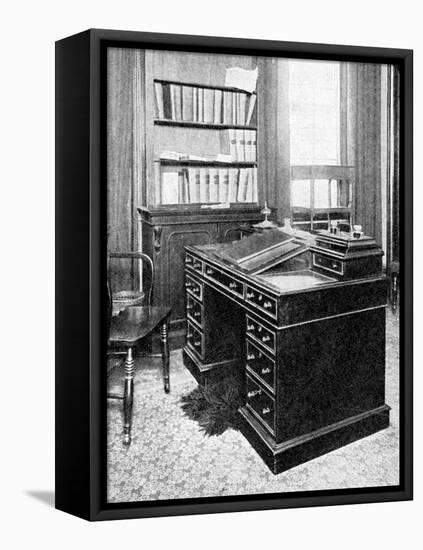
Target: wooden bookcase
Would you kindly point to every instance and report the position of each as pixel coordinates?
(184, 141)
(205, 144)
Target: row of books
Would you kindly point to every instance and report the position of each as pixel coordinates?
(196, 104)
(243, 145)
(236, 146)
(209, 185)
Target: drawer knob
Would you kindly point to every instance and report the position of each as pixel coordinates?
(260, 297)
(250, 295)
(189, 306)
(267, 305)
(265, 338)
(197, 313)
(260, 328)
(251, 327)
(254, 393)
(265, 411)
(265, 370)
(250, 356)
(209, 271)
(232, 285)
(189, 285)
(334, 265)
(197, 343)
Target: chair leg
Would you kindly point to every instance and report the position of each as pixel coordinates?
(165, 356)
(128, 397)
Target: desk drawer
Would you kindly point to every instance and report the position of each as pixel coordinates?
(260, 300)
(194, 263)
(261, 334)
(259, 364)
(328, 264)
(195, 340)
(194, 287)
(261, 404)
(236, 287)
(194, 310)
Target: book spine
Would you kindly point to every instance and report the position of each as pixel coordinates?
(167, 103)
(207, 185)
(198, 186)
(242, 108)
(200, 105)
(187, 198)
(216, 185)
(224, 186)
(227, 107)
(181, 188)
(253, 134)
(233, 150)
(234, 108)
(195, 104)
(251, 108)
(172, 101)
(203, 189)
(233, 179)
(158, 93)
(240, 145)
(249, 186)
(208, 105)
(242, 185)
(187, 103)
(213, 197)
(192, 185)
(218, 95)
(254, 179)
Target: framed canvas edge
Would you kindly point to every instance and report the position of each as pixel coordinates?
(90, 456)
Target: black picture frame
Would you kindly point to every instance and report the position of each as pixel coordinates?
(80, 273)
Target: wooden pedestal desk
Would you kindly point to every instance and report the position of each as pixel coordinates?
(308, 339)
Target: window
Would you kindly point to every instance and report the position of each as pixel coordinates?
(314, 112)
(321, 189)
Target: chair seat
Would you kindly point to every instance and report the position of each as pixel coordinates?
(135, 322)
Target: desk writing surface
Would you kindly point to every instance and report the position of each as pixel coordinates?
(294, 280)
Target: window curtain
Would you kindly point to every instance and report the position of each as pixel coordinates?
(124, 161)
(363, 114)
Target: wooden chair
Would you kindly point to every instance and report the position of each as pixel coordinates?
(128, 326)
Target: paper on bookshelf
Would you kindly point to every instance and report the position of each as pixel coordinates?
(221, 157)
(170, 155)
(243, 79)
(215, 206)
(175, 155)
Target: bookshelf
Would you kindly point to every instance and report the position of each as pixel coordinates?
(196, 186)
(205, 144)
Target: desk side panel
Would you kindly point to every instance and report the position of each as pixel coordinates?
(330, 371)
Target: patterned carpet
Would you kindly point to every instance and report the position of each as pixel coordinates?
(170, 458)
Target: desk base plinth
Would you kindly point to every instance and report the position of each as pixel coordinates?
(207, 373)
(283, 456)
